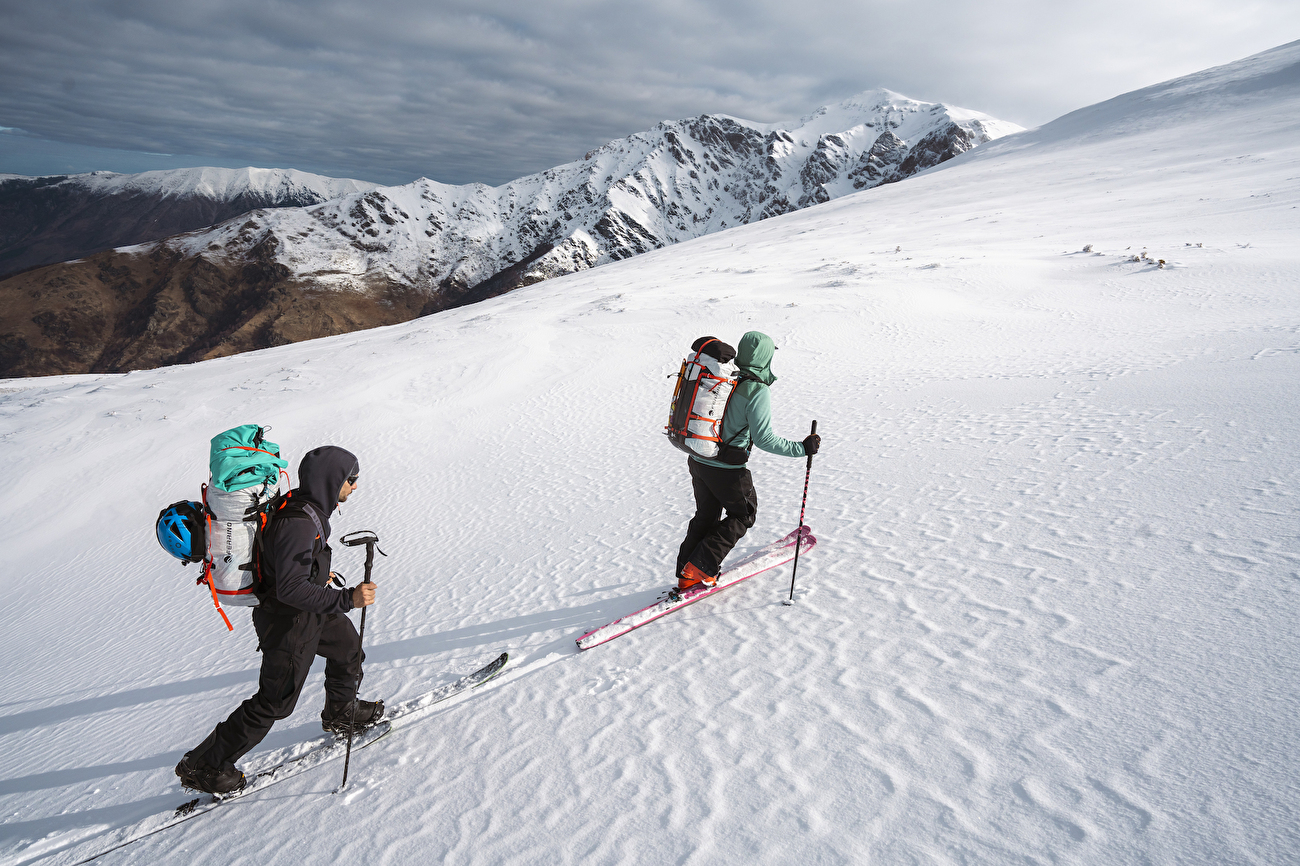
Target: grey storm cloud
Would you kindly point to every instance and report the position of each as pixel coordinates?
(488, 91)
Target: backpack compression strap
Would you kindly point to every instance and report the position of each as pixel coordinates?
(248, 448)
(699, 380)
(258, 450)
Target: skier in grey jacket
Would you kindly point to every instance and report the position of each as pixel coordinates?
(720, 485)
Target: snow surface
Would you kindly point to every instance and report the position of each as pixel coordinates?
(1052, 615)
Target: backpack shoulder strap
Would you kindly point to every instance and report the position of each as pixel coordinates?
(741, 377)
(278, 507)
(291, 508)
(311, 512)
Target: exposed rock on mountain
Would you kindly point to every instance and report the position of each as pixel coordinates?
(881, 164)
(44, 220)
(388, 254)
(940, 145)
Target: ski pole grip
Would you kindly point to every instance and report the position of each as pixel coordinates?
(814, 429)
(371, 541)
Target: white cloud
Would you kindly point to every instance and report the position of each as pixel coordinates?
(489, 90)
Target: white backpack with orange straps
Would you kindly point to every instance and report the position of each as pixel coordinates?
(705, 384)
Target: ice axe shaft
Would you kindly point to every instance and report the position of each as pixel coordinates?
(371, 541)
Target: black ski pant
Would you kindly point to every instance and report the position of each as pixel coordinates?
(710, 537)
(289, 642)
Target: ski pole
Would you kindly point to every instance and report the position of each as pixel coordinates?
(798, 542)
(371, 541)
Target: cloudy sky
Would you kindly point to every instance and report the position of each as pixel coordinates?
(487, 91)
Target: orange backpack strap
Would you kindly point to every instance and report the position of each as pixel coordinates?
(216, 603)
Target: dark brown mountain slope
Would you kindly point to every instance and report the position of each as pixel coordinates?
(120, 311)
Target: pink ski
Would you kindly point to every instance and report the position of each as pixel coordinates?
(765, 559)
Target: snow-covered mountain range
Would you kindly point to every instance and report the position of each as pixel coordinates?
(51, 219)
(384, 255)
(680, 180)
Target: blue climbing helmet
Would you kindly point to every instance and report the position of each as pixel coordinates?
(180, 531)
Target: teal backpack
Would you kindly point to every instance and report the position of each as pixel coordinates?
(245, 471)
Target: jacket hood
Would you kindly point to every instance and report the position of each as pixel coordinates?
(321, 475)
(754, 356)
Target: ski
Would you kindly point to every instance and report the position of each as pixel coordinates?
(309, 756)
(764, 559)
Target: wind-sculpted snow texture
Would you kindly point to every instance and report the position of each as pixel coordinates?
(677, 181)
(1051, 617)
(52, 219)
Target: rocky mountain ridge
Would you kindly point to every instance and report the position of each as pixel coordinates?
(388, 254)
(677, 181)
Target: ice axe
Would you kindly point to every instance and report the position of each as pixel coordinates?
(371, 541)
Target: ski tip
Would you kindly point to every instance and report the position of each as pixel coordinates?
(495, 667)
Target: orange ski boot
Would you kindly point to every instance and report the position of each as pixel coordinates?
(693, 577)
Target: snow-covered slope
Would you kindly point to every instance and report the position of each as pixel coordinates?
(52, 219)
(680, 180)
(1052, 616)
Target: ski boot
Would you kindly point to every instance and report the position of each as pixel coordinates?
(198, 775)
(336, 717)
(692, 577)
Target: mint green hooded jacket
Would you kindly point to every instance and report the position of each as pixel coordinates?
(749, 415)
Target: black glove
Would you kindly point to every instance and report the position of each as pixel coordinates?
(812, 444)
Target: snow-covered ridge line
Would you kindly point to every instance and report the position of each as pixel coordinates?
(220, 184)
(679, 180)
(57, 218)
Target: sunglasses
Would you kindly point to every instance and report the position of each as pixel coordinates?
(352, 479)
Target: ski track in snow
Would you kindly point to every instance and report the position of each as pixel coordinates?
(1050, 618)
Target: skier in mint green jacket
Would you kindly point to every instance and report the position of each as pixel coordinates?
(725, 483)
